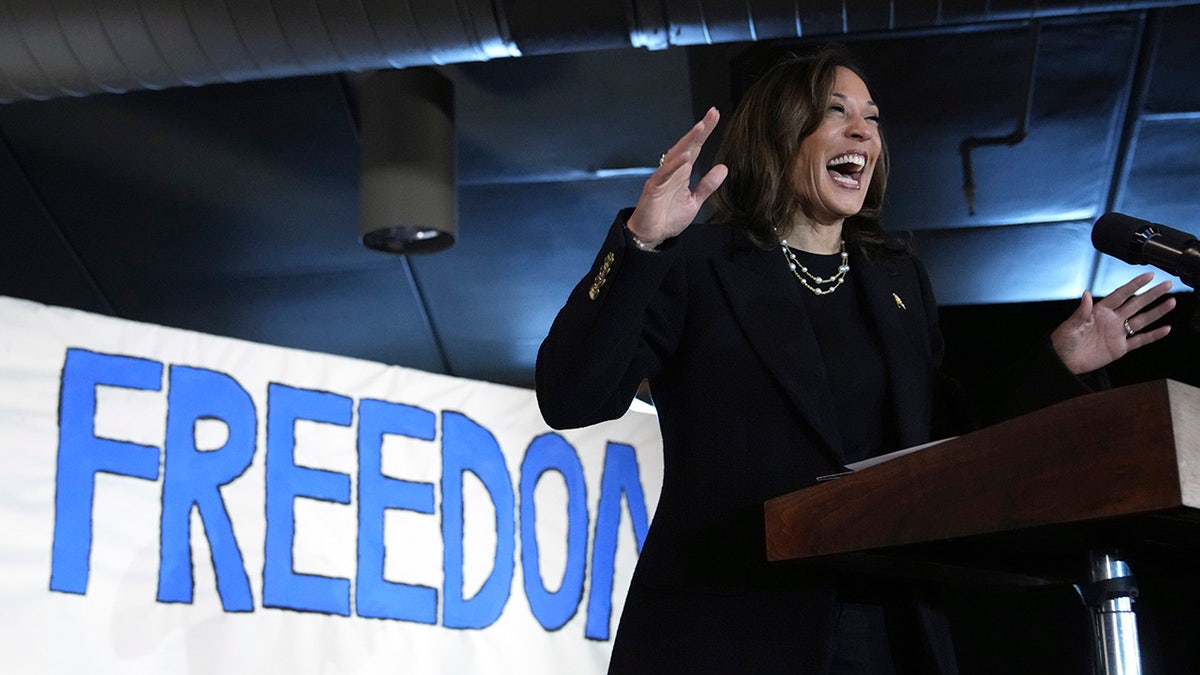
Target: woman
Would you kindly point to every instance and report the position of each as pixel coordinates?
(780, 344)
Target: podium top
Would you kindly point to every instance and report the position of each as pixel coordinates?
(1091, 471)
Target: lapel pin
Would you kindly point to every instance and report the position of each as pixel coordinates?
(899, 302)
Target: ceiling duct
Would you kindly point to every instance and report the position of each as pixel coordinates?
(51, 48)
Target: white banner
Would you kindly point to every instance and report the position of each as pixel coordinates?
(174, 502)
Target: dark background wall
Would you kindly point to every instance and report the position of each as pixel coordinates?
(232, 208)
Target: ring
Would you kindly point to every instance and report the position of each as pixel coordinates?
(662, 158)
(1128, 329)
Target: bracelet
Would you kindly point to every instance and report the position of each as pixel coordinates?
(641, 245)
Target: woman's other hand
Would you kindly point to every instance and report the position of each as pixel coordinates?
(668, 203)
(1101, 332)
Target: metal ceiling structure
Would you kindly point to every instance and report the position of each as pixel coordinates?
(195, 164)
(79, 47)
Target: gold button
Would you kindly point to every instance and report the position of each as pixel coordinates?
(601, 276)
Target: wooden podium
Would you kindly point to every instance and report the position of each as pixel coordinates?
(1113, 475)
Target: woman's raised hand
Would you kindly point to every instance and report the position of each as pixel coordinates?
(1101, 332)
(669, 203)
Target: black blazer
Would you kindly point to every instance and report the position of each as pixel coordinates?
(719, 327)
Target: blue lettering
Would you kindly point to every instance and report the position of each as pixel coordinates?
(81, 454)
(193, 477)
(621, 477)
(467, 446)
(550, 452)
(282, 585)
(375, 596)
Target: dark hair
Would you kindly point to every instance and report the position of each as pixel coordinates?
(778, 111)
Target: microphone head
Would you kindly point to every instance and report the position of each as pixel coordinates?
(1121, 236)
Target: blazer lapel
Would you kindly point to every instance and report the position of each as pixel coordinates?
(764, 299)
(894, 306)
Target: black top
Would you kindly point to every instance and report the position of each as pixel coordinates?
(850, 348)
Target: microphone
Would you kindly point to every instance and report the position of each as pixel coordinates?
(1141, 242)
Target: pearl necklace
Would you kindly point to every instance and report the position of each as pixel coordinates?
(817, 282)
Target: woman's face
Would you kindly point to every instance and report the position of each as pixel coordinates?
(834, 164)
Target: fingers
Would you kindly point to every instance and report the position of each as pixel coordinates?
(673, 165)
(1119, 296)
(694, 139)
(710, 182)
(1148, 317)
(1133, 309)
(687, 148)
(1085, 306)
(1143, 339)
(1135, 304)
(668, 202)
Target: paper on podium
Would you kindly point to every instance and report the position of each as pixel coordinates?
(880, 459)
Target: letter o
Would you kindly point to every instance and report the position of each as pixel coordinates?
(551, 452)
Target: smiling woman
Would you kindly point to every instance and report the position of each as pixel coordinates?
(805, 151)
(770, 368)
(836, 161)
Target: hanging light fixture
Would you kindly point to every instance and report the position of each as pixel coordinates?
(406, 174)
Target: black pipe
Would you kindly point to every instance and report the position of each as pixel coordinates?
(969, 144)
